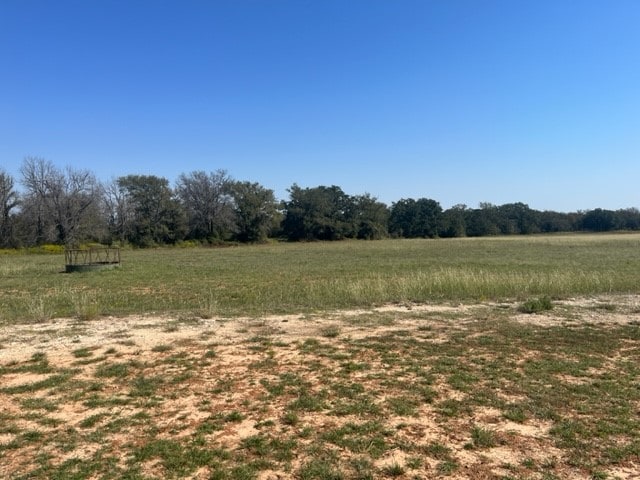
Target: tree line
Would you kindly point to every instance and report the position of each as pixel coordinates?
(71, 207)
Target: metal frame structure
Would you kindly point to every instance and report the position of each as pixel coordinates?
(85, 259)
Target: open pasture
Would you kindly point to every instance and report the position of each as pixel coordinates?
(354, 360)
(311, 277)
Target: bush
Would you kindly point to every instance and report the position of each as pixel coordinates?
(536, 305)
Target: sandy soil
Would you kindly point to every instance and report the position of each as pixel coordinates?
(142, 335)
(59, 336)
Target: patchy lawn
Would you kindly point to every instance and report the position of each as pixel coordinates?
(403, 391)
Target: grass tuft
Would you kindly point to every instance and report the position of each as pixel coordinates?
(483, 437)
(537, 305)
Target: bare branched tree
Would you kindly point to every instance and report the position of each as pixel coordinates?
(208, 202)
(61, 206)
(117, 210)
(35, 172)
(8, 201)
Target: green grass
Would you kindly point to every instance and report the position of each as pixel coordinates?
(294, 278)
(53, 381)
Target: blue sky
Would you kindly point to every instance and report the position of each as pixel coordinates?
(462, 101)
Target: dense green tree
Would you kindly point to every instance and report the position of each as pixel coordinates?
(453, 222)
(550, 221)
(154, 216)
(369, 217)
(599, 220)
(517, 218)
(411, 218)
(318, 213)
(482, 221)
(628, 218)
(256, 211)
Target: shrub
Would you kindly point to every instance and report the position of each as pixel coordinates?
(536, 305)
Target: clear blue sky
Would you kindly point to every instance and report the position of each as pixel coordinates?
(462, 101)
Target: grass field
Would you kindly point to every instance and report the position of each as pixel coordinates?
(326, 361)
(292, 278)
